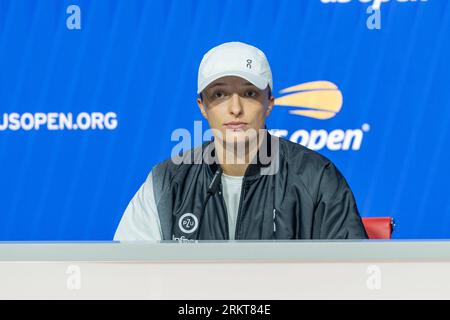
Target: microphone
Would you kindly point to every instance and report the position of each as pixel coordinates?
(212, 189)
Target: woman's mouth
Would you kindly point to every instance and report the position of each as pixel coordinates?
(236, 125)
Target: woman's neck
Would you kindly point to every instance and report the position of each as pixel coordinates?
(235, 162)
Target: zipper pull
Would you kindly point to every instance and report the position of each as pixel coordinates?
(274, 224)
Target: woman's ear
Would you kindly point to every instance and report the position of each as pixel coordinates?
(202, 108)
(270, 105)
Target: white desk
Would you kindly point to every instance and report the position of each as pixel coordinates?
(226, 270)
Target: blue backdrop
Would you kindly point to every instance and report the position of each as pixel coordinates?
(139, 60)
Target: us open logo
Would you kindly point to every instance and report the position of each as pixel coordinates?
(321, 100)
(188, 223)
(317, 99)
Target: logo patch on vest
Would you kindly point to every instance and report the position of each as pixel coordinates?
(188, 223)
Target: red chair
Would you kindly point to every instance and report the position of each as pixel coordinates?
(379, 227)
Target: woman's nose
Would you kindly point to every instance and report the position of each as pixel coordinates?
(235, 105)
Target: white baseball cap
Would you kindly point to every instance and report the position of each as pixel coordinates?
(235, 59)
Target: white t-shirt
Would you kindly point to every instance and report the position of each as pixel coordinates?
(231, 187)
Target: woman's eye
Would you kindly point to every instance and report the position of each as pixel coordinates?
(218, 94)
(250, 93)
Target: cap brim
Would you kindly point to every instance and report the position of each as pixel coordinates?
(256, 80)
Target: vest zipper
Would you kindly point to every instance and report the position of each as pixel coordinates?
(241, 200)
(227, 229)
